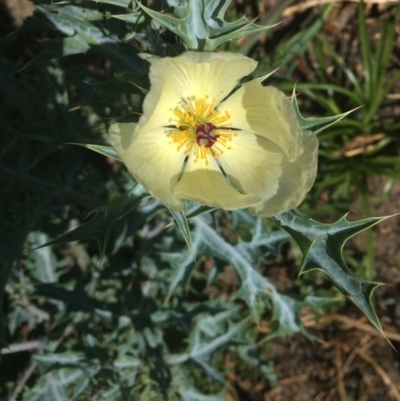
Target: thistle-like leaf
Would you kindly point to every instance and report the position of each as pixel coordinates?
(316, 124)
(182, 222)
(201, 24)
(263, 240)
(104, 150)
(103, 222)
(195, 210)
(83, 35)
(201, 347)
(256, 290)
(182, 266)
(62, 382)
(322, 245)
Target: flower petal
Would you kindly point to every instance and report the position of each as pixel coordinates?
(121, 136)
(151, 159)
(208, 186)
(163, 97)
(267, 112)
(212, 75)
(296, 180)
(252, 164)
(203, 75)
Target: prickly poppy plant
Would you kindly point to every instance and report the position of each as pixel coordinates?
(172, 293)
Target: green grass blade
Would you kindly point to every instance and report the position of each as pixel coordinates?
(380, 67)
(349, 74)
(366, 51)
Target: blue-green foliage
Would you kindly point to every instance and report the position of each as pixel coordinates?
(136, 331)
(201, 24)
(322, 245)
(136, 320)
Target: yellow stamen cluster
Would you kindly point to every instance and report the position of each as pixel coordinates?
(192, 114)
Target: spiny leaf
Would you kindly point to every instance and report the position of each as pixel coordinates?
(322, 245)
(201, 24)
(70, 20)
(66, 383)
(287, 310)
(256, 290)
(316, 124)
(266, 76)
(82, 36)
(195, 210)
(202, 348)
(254, 286)
(182, 223)
(263, 240)
(100, 226)
(182, 265)
(102, 149)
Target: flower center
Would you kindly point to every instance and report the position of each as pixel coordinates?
(202, 127)
(206, 135)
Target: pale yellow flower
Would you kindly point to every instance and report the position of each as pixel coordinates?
(200, 140)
